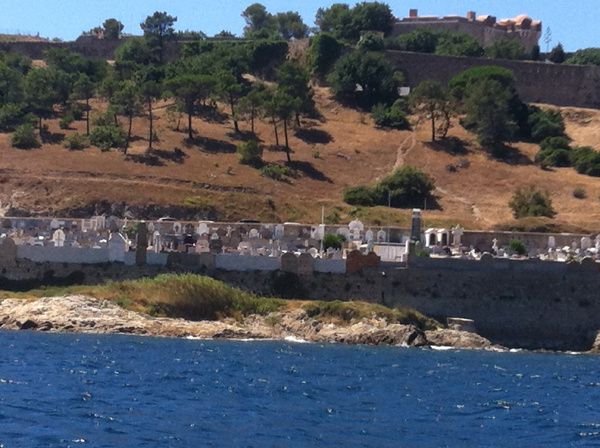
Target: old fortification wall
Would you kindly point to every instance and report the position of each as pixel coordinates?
(537, 82)
(527, 304)
(530, 304)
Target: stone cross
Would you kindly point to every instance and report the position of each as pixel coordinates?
(495, 245)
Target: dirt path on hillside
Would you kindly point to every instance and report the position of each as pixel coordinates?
(405, 147)
(474, 209)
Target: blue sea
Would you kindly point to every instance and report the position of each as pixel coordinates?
(116, 391)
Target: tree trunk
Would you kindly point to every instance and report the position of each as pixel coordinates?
(235, 122)
(129, 132)
(151, 124)
(87, 116)
(252, 121)
(432, 125)
(276, 134)
(298, 119)
(285, 133)
(190, 130)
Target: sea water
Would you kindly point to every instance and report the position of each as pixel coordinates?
(115, 391)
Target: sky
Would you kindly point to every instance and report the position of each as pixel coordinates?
(574, 26)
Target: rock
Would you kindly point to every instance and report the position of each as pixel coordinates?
(458, 339)
(81, 314)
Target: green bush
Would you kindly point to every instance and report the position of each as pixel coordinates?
(517, 247)
(422, 40)
(559, 157)
(555, 142)
(334, 241)
(324, 50)
(393, 117)
(586, 161)
(11, 116)
(528, 201)
(77, 142)
(107, 137)
(370, 41)
(360, 195)
(250, 153)
(66, 121)
(24, 137)
(545, 124)
(407, 187)
(275, 172)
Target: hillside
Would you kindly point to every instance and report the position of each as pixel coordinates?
(205, 179)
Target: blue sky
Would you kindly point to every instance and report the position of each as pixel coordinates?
(574, 23)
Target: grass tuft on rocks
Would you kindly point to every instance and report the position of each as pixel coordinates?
(349, 311)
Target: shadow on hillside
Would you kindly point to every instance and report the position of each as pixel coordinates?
(158, 157)
(513, 156)
(307, 169)
(314, 136)
(54, 138)
(211, 114)
(148, 159)
(211, 145)
(243, 136)
(450, 145)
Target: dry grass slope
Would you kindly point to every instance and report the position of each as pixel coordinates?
(341, 150)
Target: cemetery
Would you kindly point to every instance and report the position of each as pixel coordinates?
(266, 247)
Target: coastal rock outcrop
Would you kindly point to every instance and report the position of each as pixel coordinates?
(82, 314)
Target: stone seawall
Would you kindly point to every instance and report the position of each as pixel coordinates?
(529, 304)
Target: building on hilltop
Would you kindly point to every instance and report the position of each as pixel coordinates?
(486, 29)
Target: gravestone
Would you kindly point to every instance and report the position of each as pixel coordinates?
(215, 245)
(117, 246)
(457, 233)
(551, 242)
(306, 264)
(279, 232)
(203, 229)
(142, 244)
(381, 236)
(58, 237)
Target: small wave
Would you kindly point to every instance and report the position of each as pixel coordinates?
(296, 340)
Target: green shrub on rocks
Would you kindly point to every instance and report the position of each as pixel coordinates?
(348, 311)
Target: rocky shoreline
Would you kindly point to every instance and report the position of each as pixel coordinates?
(82, 314)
